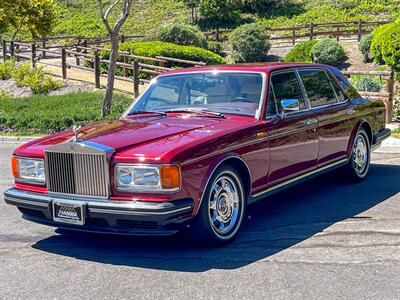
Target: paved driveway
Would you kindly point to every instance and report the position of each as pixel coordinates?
(322, 239)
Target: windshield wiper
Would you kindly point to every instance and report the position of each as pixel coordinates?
(143, 112)
(208, 113)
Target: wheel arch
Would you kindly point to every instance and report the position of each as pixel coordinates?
(362, 124)
(237, 162)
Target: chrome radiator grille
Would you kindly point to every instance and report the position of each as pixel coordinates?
(80, 174)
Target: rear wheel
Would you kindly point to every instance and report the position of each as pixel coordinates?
(222, 209)
(358, 165)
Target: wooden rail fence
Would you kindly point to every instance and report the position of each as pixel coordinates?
(311, 31)
(137, 70)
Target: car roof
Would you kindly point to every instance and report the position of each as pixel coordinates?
(253, 67)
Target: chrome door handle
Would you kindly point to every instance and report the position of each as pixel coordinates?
(311, 122)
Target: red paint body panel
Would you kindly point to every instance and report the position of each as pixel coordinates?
(273, 150)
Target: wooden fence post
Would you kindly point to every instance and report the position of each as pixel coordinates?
(78, 61)
(126, 71)
(359, 31)
(97, 69)
(293, 37)
(136, 78)
(338, 33)
(390, 90)
(4, 45)
(311, 31)
(11, 48)
(33, 55)
(16, 50)
(64, 63)
(44, 47)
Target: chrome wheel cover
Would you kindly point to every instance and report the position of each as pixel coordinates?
(224, 207)
(360, 154)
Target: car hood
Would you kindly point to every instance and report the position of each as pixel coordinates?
(126, 133)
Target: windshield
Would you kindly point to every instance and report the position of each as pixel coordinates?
(225, 93)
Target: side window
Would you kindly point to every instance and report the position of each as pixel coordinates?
(286, 86)
(339, 92)
(318, 87)
(271, 106)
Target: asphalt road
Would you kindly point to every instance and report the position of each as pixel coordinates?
(322, 239)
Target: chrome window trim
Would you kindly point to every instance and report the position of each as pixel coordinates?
(260, 104)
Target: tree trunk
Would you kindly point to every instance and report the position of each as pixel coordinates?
(192, 14)
(110, 76)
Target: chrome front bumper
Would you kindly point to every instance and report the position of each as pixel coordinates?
(121, 217)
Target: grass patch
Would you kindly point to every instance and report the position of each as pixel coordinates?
(42, 115)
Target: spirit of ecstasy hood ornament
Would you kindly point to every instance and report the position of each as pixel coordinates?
(76, 132)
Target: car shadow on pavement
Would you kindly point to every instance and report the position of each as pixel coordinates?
(273, 225)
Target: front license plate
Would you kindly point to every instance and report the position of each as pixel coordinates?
(68, 213)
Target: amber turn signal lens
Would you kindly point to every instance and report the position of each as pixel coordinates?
(170, 177)
(14, 165)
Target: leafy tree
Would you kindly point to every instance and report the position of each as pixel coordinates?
(218, 14)
(192, 4)
(37, 16)
(113, 33)
(258, 6)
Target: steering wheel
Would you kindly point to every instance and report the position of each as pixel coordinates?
(241, 99)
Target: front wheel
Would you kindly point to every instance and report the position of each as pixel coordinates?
(222, 209)
(359, 161)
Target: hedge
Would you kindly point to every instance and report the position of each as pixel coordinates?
(153, 49)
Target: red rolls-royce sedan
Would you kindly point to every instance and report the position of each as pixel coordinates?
(195, 148)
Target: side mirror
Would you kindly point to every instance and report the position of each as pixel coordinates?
(289, 105)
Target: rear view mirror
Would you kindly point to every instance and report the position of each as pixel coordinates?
(290, 105)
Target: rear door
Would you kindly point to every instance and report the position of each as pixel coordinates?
(333, 111)
(293, 143)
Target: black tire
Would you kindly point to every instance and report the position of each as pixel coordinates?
(357, 168)
(204, 230)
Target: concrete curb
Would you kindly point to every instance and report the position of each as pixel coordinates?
(17, 139)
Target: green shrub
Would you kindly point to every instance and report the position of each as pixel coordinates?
(6, 69)
(215, 47)
(328, 52)
(249, 43)
(366, 83)
(41, 83)
(365, 46)
(385, 45)
(40, 114)
(20, 72)
(301, 52)
(182, 34)
(35, 78)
